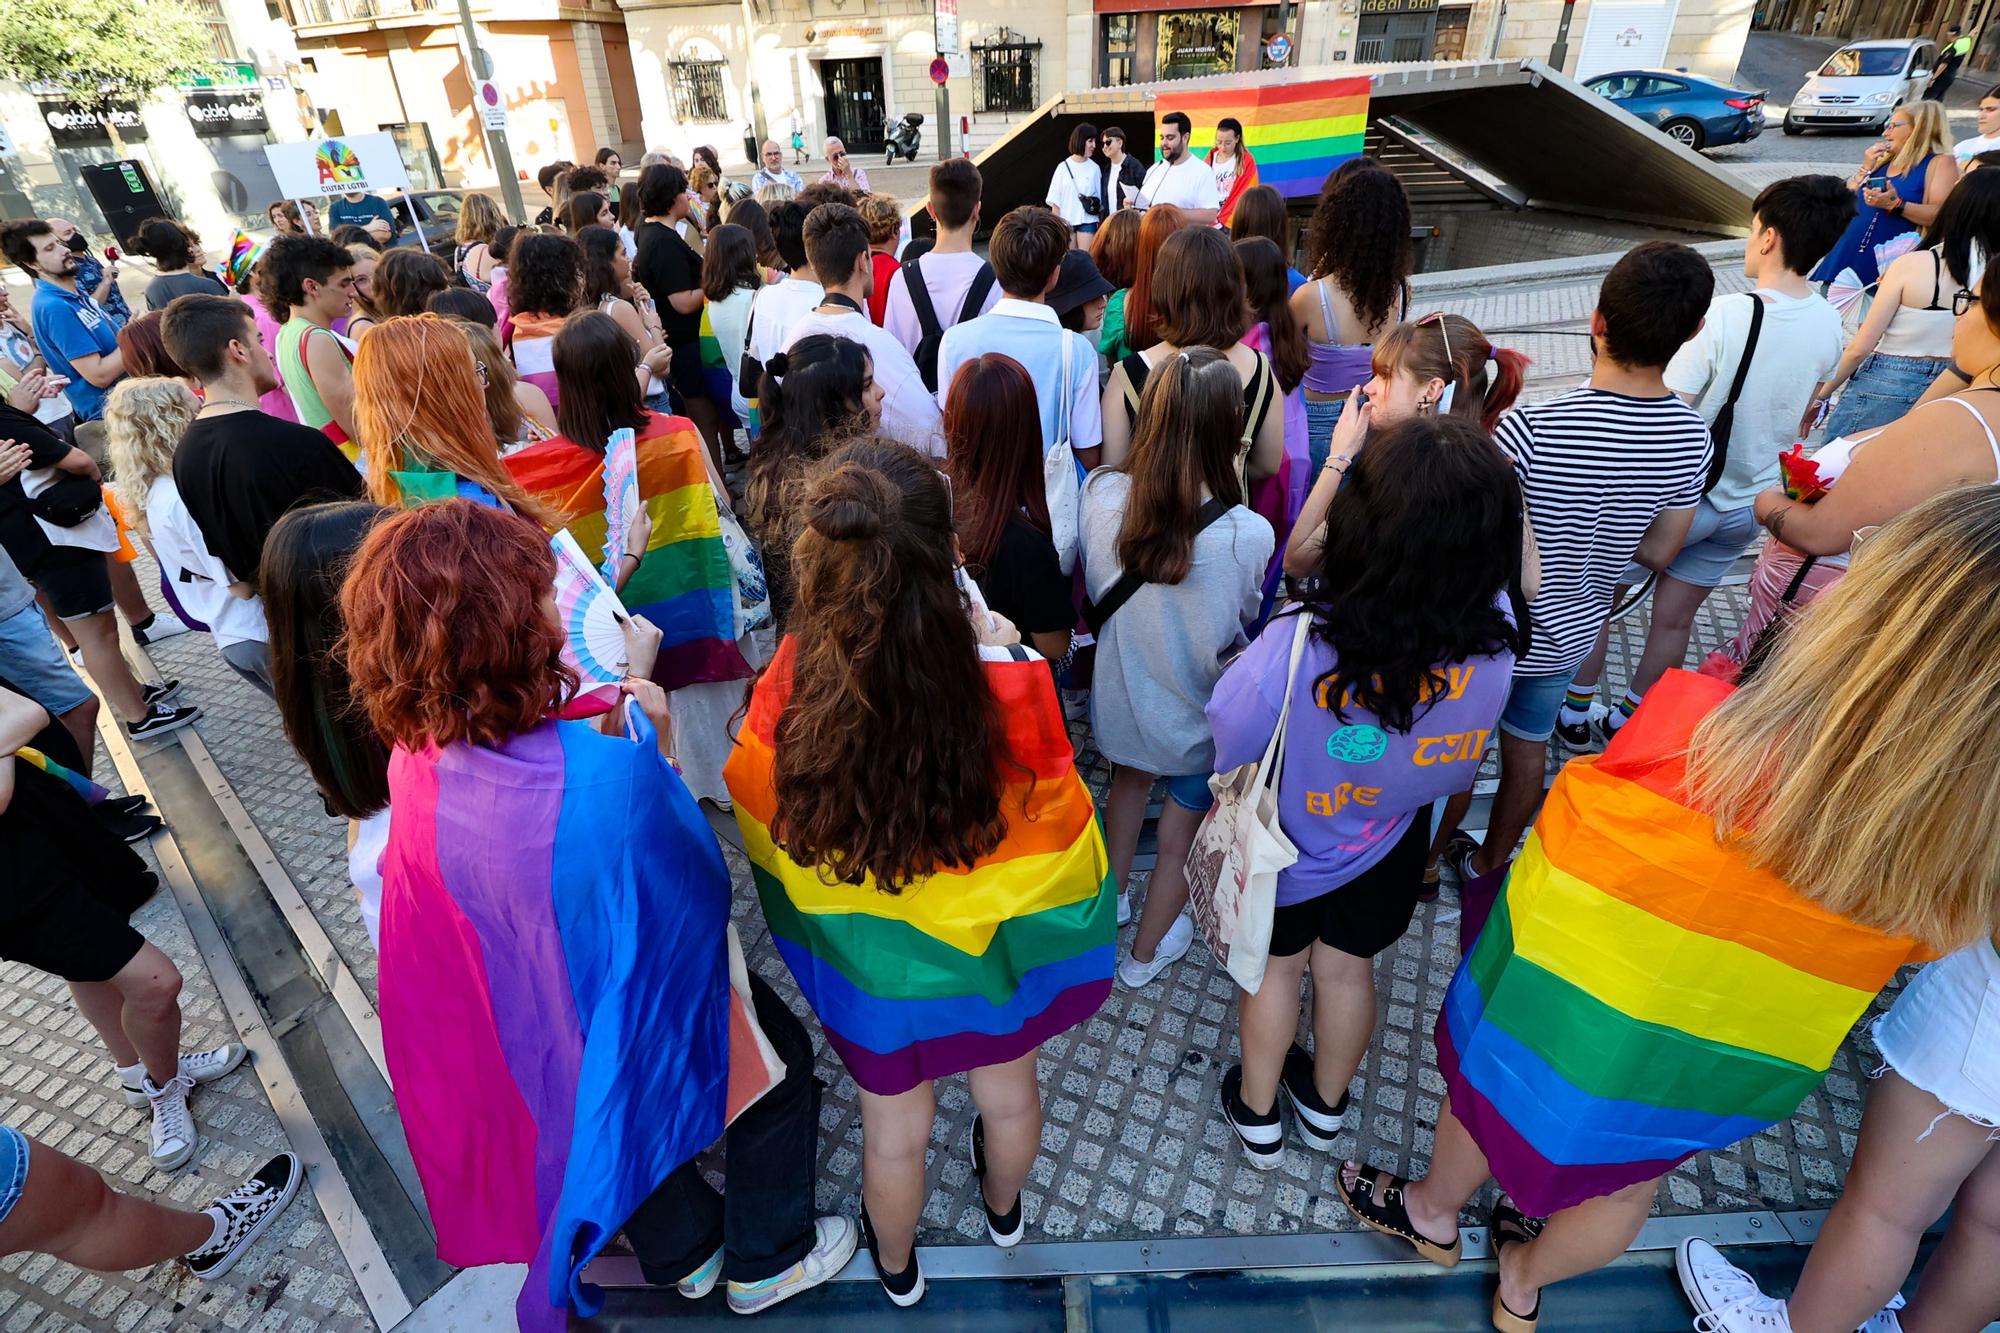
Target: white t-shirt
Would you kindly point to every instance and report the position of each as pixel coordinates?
(1967, 149)
(730, 318)
(199, 579)
(775, 309)
(948, 278)
(909, 413)
(1072, 183)
(1797, 347)
(1225, 169)
(1188, 183)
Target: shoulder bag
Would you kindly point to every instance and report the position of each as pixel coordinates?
(1725, 420)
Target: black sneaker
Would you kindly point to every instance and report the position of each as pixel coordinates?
(1315, 1121)
(160, 692)
(1263, 1136)
(905, 1288)
(1006, 1228)
(1589, 736)
(130, 827)
(247, 1212)
(161, 719)
(126, 805)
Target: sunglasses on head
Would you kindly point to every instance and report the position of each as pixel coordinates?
(1444, 330)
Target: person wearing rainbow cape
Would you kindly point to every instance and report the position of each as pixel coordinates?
(928, 859)
(1701, 914)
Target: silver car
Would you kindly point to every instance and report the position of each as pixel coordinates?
(1862, 84)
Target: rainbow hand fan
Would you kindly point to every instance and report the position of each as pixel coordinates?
(1845, 289)
(593, 628)
(621, 496)
(1895, 248)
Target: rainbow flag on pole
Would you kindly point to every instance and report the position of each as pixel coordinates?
(1641, 993)
(971, 966)
(684, 585)
(1298, 132)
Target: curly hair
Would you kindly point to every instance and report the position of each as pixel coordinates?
(289, 261)
(446, 637)
(1425, 539)
(884, 218)
(144, 420)
(1359, 236)
(886, 758)
(405, 281)
(544, 274)
(171, 245)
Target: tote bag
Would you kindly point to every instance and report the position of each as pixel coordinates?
(1059, 481)
(1232, 869)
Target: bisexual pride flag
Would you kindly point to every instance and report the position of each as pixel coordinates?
(1297, 132)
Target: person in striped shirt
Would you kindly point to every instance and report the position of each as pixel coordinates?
(1611, 472)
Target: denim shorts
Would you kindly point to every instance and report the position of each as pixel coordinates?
(1322, 415)
(1714, 540)
(1190, 792)
(1882, 391)
(33, 663)
(1943, 1033)
(13, 1168)
(1532, 704)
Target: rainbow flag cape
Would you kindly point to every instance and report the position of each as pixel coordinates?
(548, 1073)
(684, 585)
(1299, 131)
(81, 785)
(968, 967)
(1641, 993)
(531, 343)
(1246, 177)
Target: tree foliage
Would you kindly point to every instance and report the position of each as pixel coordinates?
(100, 51)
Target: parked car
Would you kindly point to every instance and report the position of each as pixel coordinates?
(1693, 111)
(1862, 84)
(436, 209)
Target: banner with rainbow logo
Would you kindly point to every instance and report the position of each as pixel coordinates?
(1298, 132)
(352, 163)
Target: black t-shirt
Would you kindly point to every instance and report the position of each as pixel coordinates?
(1025, 583)
(668, 264)
(239, 472)
(20, 536)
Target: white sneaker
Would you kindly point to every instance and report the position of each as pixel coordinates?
(165, 626)
(200, 1066)
(1173, 947)
(1885, 1320)
(1725, 1298)
(834, 1242)
(173, 1131)
(702, 1281)
(1124, 909)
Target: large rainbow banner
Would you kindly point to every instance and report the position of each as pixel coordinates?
(968, 967)
(1641, 992)
(1298, 132)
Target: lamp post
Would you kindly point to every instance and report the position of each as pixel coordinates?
(496, 139)
(1558, 53)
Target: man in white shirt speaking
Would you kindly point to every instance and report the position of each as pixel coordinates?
(1179, 177)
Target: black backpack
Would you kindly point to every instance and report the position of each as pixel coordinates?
(927, 317)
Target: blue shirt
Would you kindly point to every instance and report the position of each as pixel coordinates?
(89, 272)
(764, 177)
(1030, 333)
(68, 325)
(343, 211)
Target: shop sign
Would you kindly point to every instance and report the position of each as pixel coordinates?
(71, 124)
(827, 32)
(226, 113)
(225, 74)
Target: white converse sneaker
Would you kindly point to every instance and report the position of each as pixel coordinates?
(201, 1066)
(173, 1130)
(1124, 909)
(1885, 1320)
(164, 625)
(247, 1212)
(1174, 945)
(834, 1242)
(1725, 1298)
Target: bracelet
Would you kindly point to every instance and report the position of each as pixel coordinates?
(636, 560)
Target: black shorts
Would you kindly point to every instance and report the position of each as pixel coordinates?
(73, 885)
(1368, 913)
(77, 582)
(685, 374)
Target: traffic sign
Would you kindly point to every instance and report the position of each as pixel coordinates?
(1279, 49)
(940, 70)
(492, 106)
(946, 14)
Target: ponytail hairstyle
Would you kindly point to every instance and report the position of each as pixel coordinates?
(993, 454)
(1190, 423)
(1269, 292)
(1451, 348)
(885, 762)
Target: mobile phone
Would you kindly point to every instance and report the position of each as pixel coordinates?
(1880, 182)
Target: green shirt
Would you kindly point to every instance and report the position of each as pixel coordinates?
(1111, 334)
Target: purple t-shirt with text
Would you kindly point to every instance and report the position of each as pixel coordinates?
(1348, 789)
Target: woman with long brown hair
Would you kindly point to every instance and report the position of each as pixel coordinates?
(1169, 517)
(897, 765)
(404, 283)
(588, 209)
(1135, 328)
(518, 412)
(421, 414)
(993, 454)
(1261, 212)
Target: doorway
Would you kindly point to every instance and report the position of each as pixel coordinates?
(854, 103)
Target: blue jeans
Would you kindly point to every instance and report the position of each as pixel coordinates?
(1532, 704)
(1322, 415)
(1190, 791)
(13, 1168)
(34, 664)
(1882, 391)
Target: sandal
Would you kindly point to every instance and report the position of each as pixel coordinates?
(1510, 1226)
(1390, 1216)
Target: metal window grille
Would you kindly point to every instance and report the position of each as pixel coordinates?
(1005, 73)
(700, 90)
(1120, 47)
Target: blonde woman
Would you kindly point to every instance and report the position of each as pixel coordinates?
(479, 221)
(1902, 182)
(144, 420)
(520, 412)
(364, 318)
(1924, 594)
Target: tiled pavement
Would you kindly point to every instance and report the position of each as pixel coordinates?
(1132, 1148)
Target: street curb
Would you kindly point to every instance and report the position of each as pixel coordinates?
(1537, 271)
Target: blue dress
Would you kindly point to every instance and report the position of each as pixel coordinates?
(1871, 227)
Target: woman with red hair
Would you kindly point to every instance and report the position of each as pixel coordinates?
(1134, 328)
(535, 1132)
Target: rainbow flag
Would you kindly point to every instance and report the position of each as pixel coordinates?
(78, 783)
(1299, 131)
(549, 1074)
(1640, 992)
(684, 585)
(968, 967)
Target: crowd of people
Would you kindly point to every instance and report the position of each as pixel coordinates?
(911, 517)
